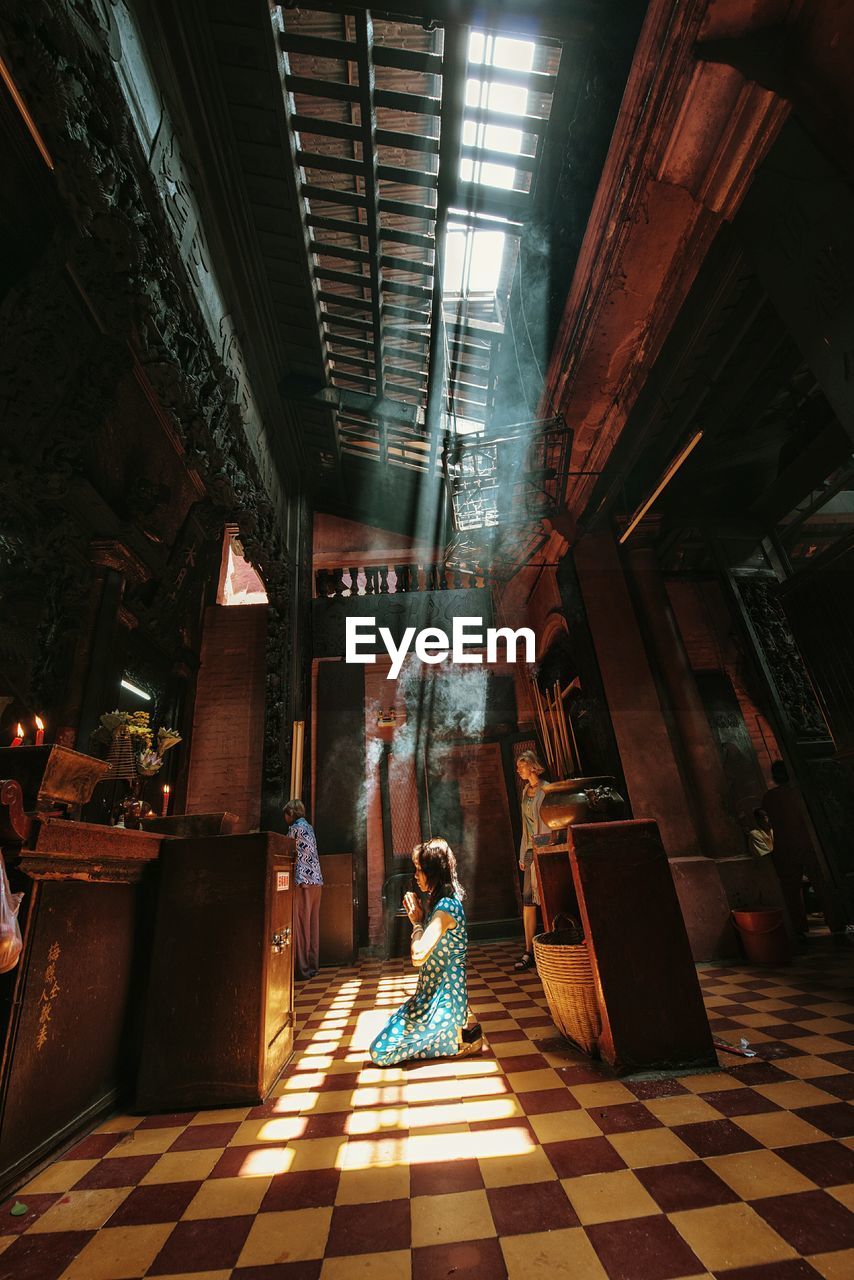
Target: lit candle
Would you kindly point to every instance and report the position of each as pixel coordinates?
(164, 806)
(16, 742)
(39, 731)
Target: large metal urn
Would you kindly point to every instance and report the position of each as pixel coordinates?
(573, 800)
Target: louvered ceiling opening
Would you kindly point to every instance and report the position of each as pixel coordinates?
(416, 155)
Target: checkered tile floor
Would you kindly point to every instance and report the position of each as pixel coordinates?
(525, 1162)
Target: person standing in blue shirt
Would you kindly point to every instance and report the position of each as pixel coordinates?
(308, 882)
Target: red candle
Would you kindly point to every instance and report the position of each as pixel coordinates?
(16, 742)
(164, 806)
(39, 731)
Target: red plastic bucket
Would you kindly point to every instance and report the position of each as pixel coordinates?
(763, 936)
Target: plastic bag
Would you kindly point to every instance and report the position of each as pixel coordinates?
(11, 943)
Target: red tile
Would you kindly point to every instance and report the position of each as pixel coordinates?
(758, 1073)
(42, 1257)
(335, 1083)
(811, 1222)
(643, 1249)
(577, 1156)
(167, 1120)
(645, 1090)
(124, 1171)
(440, 1179)
(839, 1086)
(310, 1189)
(467, 1260)
(232, 1160)
(715, 1138)
(541, 1206)
(36, 1206)
(198, 1137)
(739, 1102)
(691, 1185)
(790, 1269)
(329, 1124)
(624, 1118)
(538, 1101)
(368, 1228)
(160, 1202)
(281, 1271)
(524, 1062)
(828, 1164)
(834, 1118)
(93, 1147)
(769, 1049)
(582, 1073)
(206, 1244)
(845, 1061)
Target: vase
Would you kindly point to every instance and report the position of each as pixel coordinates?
(571, 800)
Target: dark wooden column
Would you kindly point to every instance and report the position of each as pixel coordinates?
(720, 835)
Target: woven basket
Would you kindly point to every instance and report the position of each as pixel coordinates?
(563, 963)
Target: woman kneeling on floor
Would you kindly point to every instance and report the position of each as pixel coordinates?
(432, 1023)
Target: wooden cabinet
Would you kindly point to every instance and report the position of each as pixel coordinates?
(219, 1020)
(69, 1011)
(338, 910)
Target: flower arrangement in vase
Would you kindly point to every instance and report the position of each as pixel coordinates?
(149, 746)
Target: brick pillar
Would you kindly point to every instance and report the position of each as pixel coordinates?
(228, 722)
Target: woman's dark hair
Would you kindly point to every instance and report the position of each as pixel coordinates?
(436, 859)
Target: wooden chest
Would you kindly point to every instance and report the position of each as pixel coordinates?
(219, 1023)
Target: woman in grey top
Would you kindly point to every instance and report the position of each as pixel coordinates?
(531, 771)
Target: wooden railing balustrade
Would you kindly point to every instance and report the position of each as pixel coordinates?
(385, 579)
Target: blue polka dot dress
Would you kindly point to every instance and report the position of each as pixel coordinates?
(426, 1025)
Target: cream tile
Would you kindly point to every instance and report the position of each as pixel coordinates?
(145, 1142)
(608, 1094)
(226, 1115)
(756, 1174)
(650, 1146)
(117, 1253)
(544, 1255)
(682, 1108)
(464, 1215)
(385, 1119)
(609, 1197)
(80, 1210)
(820, 1045)
(807, 1067)
(316, 1153)
(834, 1266)
(6, 1241)
(514, 1048)
(827, 1026)
(276, 1129)
(530, 1081)
(710, 1082)
(845, 1195)
(119, 1124)
(60, 1176)
(295, 1235)
(394, 1265)
(730, 1235)
(779, 1129)
(182, 1166)
(505, 1107)
(512, 1170)
(227, 1197)
(558, 1126)
(374, 1185)
(794, 1094)
(373, 1153)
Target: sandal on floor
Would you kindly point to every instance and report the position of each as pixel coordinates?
(471, 1040)
(525, 963)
